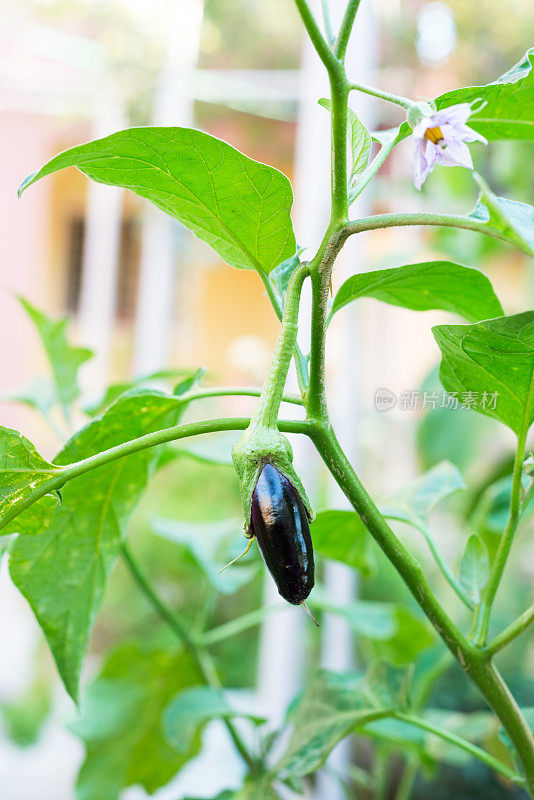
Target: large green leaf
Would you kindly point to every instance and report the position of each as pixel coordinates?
(238, 206)
(333, 706)
(62, 570)
(492, 364)
(121, 722)
(22, 472)
(429, 285)
(65, 359)
(342, 536)
(475, 568)
(191, 709)
(512, 219)
(509, 109)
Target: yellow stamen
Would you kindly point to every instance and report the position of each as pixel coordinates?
(434, 135)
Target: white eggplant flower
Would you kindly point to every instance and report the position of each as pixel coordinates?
(441, 139)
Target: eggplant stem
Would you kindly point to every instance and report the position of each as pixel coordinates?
(245, 551)
(309, 613)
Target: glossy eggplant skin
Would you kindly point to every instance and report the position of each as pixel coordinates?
(280, 524)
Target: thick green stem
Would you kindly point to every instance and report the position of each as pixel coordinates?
(511, 632)
(200, 657)
(473, 660)
(266, 411)
(407, 566)
(482, 619)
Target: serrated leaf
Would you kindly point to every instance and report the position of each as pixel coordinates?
(121, 722)
(360, 142)
(332, 707)
(514, 220)
(62, 570)
(428, 285)
(342, 536)
(65, 359)
(475, 568)
(494, 361)
(202, 541)
(238, 206)
(22, 473)
(190, 710)
(509, 109)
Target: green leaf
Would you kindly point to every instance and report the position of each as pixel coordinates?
(475, 568)
(333, 706)
(509, 109)
(22, 472)
(342, 536)
(190, 710)
(514, 220)
(24, 716)
(492, 364)
(281, 275)
(121, 722)
(116, 390)
(415, 503)
(425, 286)
(62, 570)
(256, 787)
(395, 632)
(202, 541)
(65, 359)
(360, 143)
(238, 206)
(190, 382)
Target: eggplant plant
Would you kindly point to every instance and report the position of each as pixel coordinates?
(65, 521)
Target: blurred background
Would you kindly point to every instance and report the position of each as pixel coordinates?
(145, 295)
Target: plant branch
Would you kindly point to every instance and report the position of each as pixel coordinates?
(396, 220)
(321, 46)
(340, 45)
(201, 658)
(238, 625)
(327, 19)
(463, 744)
(407, 566)
(404, 102)
(511, 632)
(483, 615)
(70, 471)
(267, 408)
(300, 361)
(473, 660)
(372, 168)
(237, 391)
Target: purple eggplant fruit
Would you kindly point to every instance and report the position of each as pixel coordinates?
(279, 522)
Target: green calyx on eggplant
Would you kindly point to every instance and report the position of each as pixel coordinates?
(279, 521)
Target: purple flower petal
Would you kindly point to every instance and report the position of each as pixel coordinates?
(454, 115)
(454, 154)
